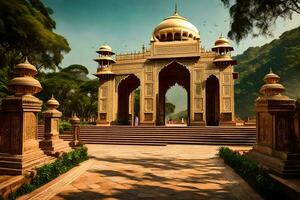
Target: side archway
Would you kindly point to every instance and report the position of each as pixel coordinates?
(212, 89)
(125, 88)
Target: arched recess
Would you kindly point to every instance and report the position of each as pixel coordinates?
(212, 101)
(170, 75)
(125, 88)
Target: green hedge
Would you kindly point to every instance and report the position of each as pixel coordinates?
(257, 177)
(51, 171)
(64, 126)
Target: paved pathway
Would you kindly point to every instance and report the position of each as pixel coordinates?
(168, 172)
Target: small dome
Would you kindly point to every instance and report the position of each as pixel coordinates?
(271, 77)
(26, 68)
(53, 102)
(176, 27)
(222, 42)
(105, 48)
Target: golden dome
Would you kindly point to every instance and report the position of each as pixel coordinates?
(175, 27)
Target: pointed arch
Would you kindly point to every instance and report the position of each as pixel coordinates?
(169, 75)
(212, 89)
(125, 87)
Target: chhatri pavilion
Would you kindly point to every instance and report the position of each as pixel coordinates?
(175, 56)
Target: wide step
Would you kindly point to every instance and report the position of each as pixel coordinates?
(158, 136)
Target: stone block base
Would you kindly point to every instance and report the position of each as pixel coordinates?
(147, 124)
(19, 164)
(54, 147)
(288, 167)
(102, 123)
(201, 123)
(227, 123)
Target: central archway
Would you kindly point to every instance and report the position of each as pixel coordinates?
(169, 76)
(125, 88)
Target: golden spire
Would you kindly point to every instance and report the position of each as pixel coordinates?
(176, 11)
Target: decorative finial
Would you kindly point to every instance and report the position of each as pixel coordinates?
(221, 35)
(271, 72)
(52, 97)
(176, 11)
(26, 59)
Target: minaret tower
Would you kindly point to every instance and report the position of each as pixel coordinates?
(106, 85)
(104, 60)
(225, 63)
(223, 53)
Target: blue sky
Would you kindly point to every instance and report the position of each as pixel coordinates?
(127, 24)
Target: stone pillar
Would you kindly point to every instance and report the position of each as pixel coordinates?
(275, 133)
(19, 147)
(52, 145)
(75, 122)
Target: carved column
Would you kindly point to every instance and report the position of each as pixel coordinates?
(75, 122)
(19, 147)
(275, 131)
(51, 144)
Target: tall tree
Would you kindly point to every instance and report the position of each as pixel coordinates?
(75, 92)
(26, 29)
(256, 17)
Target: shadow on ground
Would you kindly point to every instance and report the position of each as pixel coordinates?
(153, 178)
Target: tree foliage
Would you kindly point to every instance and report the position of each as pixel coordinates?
(75, 92)
(26, 29)
(169, 108)
(258, 16)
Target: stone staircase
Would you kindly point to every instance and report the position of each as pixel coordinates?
(163, 135)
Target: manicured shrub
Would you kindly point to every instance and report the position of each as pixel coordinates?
(64, 126)
(48, 172)
(256, 176)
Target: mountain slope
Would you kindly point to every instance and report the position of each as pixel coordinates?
(282, 55)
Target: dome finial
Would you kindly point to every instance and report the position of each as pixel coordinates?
(176, 10)
(271, 72)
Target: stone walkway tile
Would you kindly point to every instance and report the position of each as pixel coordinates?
(169, 172)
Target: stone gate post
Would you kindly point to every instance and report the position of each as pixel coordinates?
(275, 131)
(75, 122)
(51, 144)
(19, 147)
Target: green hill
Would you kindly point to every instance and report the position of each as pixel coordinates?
(282, 55)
